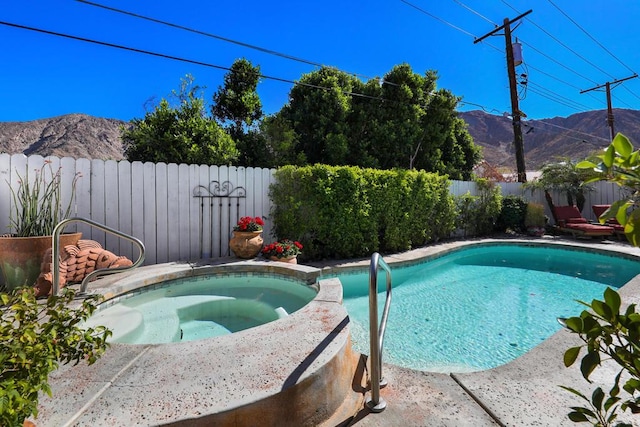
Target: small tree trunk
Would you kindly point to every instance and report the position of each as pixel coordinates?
(549, 199)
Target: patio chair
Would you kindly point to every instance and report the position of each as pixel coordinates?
(570, 220)
(618, 228)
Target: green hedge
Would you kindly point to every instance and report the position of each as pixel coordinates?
(514, 209)
(350, 212)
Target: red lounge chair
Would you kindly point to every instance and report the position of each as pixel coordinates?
(570, 220)
(611, 222)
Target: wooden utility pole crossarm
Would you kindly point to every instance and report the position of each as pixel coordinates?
(513, 88)
(507, 22)
(607, 87)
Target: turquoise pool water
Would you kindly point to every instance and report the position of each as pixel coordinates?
(200, 307)
(480, 307)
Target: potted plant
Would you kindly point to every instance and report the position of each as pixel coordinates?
(37, 209)
(284, 250)
(535, 219)
(247, 240)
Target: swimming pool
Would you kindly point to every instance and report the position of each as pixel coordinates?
(480, 307)
(195, 308)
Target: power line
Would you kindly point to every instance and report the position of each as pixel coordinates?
(558, 62)
(632, 93)
(485, 109)
(559, 80)
(591, 37)
(215, 36)
(490, 45)
(553, 98)
(567, 129)
(475, 12)
(550, 94)
(561, 43)
(447, 23)
(541, 121)
(437, 18)
(177, 58)
(622, 101)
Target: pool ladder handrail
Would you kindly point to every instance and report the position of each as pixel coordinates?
(55, 254)
(376, 333)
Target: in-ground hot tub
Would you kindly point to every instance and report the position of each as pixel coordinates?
(294, 371)
(193, 308)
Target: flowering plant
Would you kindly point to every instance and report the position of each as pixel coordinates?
(247, 223)
(282, 249)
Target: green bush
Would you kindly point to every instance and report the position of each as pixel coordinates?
(607, 333)
(535, 215)
(34, 339)
(477, 215)
(512, 214)
(350, 212)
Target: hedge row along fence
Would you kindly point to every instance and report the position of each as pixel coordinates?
(349, 212)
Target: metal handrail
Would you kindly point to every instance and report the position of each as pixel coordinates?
(376, 333)
(95, 273)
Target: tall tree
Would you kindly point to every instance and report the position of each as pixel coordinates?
(401, 134)
(317, 111)
(237, 106)
(280, 143)
(179, 134)
(401, 120)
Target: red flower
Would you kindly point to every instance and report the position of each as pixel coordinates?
(247, 223)
(282, 249)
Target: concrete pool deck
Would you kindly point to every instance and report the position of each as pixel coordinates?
(147, 385)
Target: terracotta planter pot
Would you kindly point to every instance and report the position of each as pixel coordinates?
(291, 260)
(21, 257)
(246, 244)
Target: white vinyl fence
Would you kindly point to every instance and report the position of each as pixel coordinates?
(181, 212)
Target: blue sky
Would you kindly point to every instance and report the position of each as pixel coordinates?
(45, 76)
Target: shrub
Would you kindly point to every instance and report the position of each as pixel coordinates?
(350, 212)
(477, 215)
(512, 214)
(34, 339)
(608, 332)
(535, 215)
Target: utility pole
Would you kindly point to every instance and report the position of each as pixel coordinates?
(607, 87)
(513, 88)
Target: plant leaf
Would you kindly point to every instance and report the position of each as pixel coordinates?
(571, 355)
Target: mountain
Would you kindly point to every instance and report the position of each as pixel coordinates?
(547, 140)
(72, 135)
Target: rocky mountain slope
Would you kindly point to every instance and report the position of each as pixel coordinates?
(576, 136)
(547, 140)
(72, 135)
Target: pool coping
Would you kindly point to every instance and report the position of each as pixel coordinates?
(530, 382)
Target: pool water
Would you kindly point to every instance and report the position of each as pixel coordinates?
(202, 307)
(481, 307)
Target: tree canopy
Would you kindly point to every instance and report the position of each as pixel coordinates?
(401, 120)
(179, 134)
